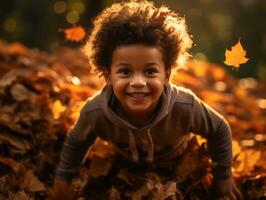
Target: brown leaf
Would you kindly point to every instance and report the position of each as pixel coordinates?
(99, 167)
(125, 176)
(247, 160)
(20, 195)
(114, 194)
(101, 149)
(165, 191)
(19, 143)
(21, 93)
(31, 183)
(141, 192)
(191, 160)
(15, 166)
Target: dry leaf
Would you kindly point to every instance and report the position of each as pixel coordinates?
(31, 183)
(21, 195)
(236, 148)
(100, 149)
(166, 191)
(75, 34)
(141, 193)
(247, 160)
(57, 108)
(20, 144)
(17, 49)
(191, 160)
(236, 56)
(14, 165)
(100, 167)
(114, 194)
(125, 176)
(21, 93)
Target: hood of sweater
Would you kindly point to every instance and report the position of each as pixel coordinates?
(166, 104)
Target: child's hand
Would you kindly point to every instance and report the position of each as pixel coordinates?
(62, 190)
(226, 189)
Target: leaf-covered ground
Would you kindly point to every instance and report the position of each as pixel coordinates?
(40, 98)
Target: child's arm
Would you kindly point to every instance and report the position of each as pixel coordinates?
(211, 125)
(74, 148)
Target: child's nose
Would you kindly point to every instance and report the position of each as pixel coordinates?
(138, 81)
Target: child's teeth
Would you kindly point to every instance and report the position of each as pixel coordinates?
(138, 95)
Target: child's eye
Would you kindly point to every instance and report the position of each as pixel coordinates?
(150, 72)
(124, 72)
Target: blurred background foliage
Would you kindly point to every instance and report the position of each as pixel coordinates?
(214, 25)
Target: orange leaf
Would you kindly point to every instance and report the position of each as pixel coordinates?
(236, 56)
(75, 34)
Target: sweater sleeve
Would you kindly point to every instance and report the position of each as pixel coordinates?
(74, 148)
(211, 125)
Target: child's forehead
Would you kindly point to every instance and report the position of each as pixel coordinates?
(137, 53)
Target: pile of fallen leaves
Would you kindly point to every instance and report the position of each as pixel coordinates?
(40, 98)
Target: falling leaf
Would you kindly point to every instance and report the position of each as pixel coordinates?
(75, 34)
(236, 56)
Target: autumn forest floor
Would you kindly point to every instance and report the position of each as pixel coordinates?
(40, 98)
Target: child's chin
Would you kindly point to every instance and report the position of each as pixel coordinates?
(138, 111)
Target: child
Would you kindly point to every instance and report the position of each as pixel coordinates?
(134, 45)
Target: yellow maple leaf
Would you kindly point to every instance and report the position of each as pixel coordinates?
(236, 56)
(76, 33)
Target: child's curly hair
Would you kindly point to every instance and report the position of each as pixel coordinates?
(137, 22)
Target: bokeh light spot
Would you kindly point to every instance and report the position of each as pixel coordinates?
(60, 7)
(79, 7)
(220, 86)
(262, 103)
(72, 17)
(200, 56)
(247, 83)
(10, 25)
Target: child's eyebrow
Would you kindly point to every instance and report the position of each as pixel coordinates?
(146, 64)
(122, 63)
(151, 63)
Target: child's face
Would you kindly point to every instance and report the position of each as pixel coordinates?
(137, 75)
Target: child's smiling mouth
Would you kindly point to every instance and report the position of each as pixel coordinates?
(138, 96)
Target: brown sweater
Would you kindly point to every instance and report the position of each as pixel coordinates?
(167, 134)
